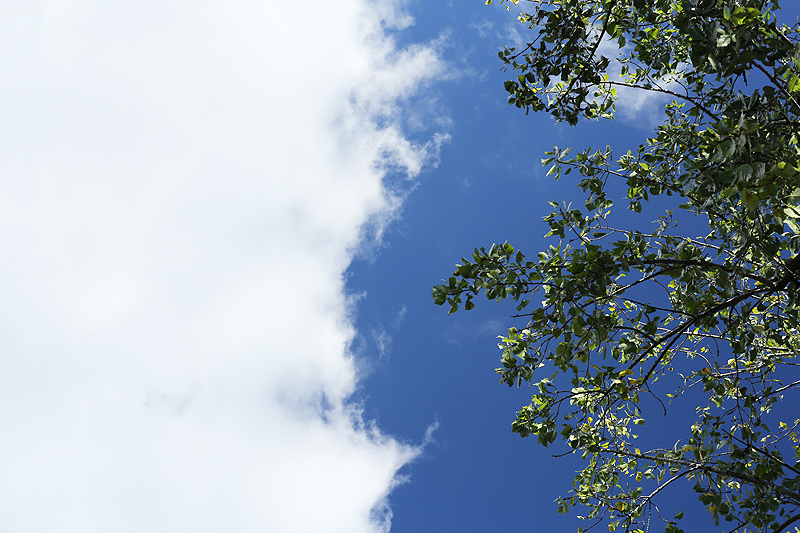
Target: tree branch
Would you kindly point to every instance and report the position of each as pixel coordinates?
(689, 99)
(786, 524)
(708, 468)
(675, 334)
(778, 85)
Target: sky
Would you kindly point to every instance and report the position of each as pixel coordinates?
(221, 223)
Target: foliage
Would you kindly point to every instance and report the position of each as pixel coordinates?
(632, 319)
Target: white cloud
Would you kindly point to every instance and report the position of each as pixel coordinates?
(184, 184)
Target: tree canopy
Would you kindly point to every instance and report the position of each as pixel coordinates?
(616, 324)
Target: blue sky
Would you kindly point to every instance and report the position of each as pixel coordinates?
(221, 223)
(488, 187)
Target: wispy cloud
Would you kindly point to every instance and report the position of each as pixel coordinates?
(184, 186)
(382, 337)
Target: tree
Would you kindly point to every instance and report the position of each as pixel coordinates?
(632, 319)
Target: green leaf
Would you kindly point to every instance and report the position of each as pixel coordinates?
(749, 199)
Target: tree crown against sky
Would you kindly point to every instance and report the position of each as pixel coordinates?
(616, 323)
